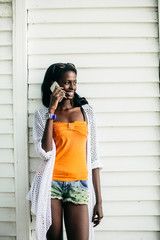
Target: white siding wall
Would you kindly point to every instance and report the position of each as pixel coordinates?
(114, 45)
(14, 208)
(7, 161)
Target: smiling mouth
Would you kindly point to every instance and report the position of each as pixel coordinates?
(70, 93)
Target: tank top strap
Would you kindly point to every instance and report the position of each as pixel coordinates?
(83, 113)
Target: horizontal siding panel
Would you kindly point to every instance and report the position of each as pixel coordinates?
(6, 1)
(7, 238)
(32, 151)
(147, 223)
(129, 148)
(6, 155)
(113, 104)
(6, 111)
(57, 30)
(104, 45)
(8, 229)
(6, 67)
(118, 74)
(125, 134)
(130, 179)
(132, 235)
(128, 119)
(130, 193)
(93, 15)
(6, 126)
(7, 215)
(128, 223)
(34, 164)
(119, 90)
(129, 134)
(97, 75)
(123, 119)
(133, 208)
(6, 38)
(6, 96)
(6, 53)
(125, 105)
(125, 179)
(5, 24)
(7, 200)
(113, 164)
(125, 235)
(6, 141)
(33, 105)
(6, 81)
(7, 185)
(122, 235)
(108, 90)
(5, 10)
(6, 170)
(118, 164)
(90, 4)
(121, 149)
(100, 60)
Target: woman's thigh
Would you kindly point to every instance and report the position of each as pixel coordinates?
(55, 231)
(76, 221)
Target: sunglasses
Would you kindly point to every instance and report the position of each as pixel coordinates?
(63, 65)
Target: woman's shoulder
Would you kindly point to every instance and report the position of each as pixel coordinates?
(89, 108)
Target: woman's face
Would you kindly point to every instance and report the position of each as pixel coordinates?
(69, 82)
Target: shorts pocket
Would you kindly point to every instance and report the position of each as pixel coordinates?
(84, 183)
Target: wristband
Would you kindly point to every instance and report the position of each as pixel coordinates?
(50, 116)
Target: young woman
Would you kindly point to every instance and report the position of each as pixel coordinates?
(68, 180)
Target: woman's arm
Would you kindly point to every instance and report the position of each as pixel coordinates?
(96, 167)
(48, 134)
(43, 130)
(39, 126)
(97, 211)
(96, 183)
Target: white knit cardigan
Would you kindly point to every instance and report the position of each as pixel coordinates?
(40, 190)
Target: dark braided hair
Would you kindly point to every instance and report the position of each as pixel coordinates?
(53, 73)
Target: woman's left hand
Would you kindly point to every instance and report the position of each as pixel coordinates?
(97, 214)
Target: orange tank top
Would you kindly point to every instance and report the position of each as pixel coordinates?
(70, 161)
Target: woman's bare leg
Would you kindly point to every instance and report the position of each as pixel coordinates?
(55, 231)
(76, 221)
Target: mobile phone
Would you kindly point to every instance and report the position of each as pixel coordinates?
(54, 85)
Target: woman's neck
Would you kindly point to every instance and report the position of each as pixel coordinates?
(64, 105)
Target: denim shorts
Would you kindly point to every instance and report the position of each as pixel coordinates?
(70, 191)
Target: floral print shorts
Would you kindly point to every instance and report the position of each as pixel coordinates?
(70, 191)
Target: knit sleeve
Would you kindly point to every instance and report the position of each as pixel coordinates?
(95, 159)
(38, 129)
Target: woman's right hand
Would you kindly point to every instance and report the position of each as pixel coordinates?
(55, 97)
